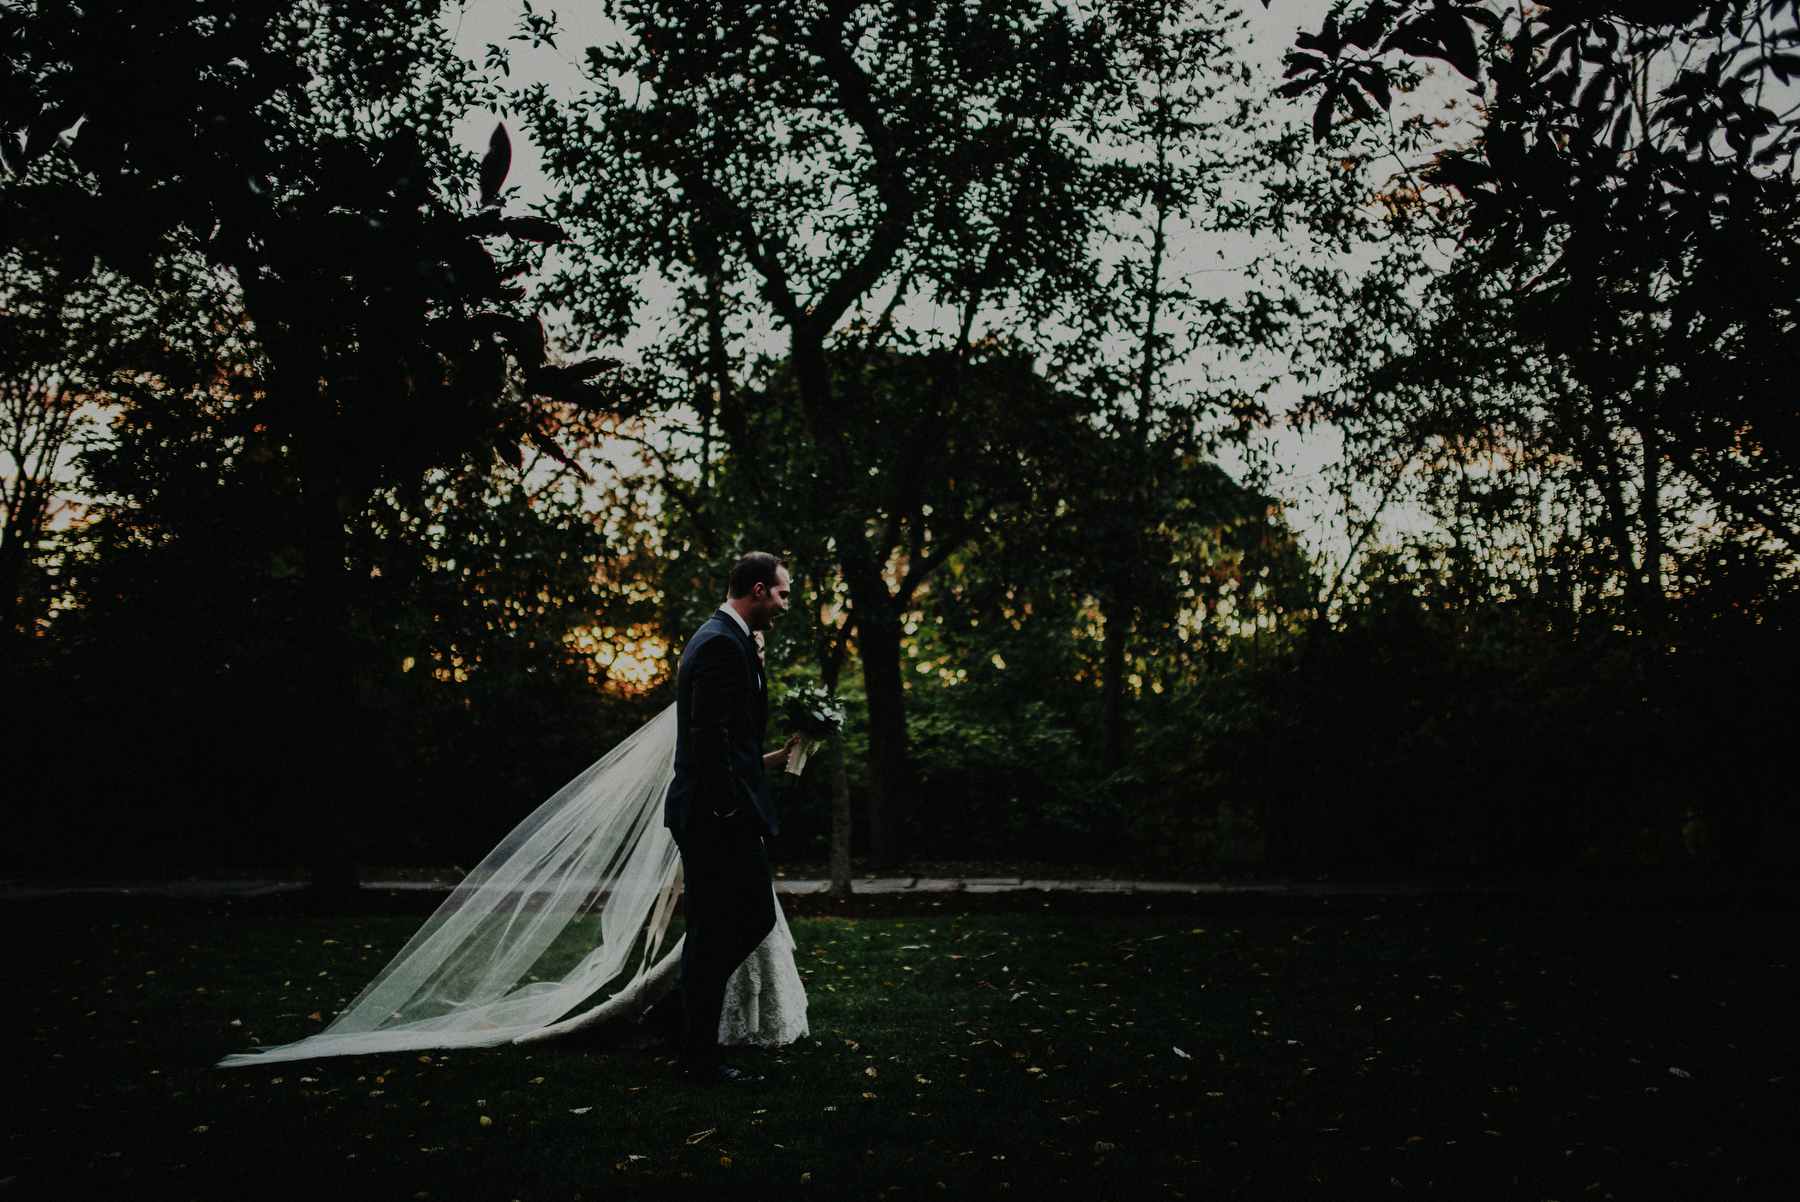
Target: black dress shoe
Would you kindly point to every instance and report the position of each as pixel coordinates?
(713, 1076)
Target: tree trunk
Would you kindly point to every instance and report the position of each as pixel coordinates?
(877, 614)
(1612, 492)
(326, 760)
(36, 425)
(20, 538)
(878, 645)
(1112, 684)
(331, 780)
(840, 818)
(831, 650)
(1650, 514)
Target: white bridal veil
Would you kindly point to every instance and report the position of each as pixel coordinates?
(578, 894)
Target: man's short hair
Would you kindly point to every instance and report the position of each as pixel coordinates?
(758, 567)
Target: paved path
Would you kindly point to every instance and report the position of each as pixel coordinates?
(21, 889)
(1007, 884)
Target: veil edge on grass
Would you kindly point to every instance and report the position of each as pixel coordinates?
(595, 852)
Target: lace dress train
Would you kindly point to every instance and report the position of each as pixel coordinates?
(765, 1000)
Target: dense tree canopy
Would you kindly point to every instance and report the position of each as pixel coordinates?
(303, 149)
(1627, 220)
(318, 546)
(815, 169)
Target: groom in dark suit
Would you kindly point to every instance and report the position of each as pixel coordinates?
(719, 806)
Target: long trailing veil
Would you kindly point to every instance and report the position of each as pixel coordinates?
(578, 896)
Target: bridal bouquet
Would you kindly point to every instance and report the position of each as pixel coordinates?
(814, 715)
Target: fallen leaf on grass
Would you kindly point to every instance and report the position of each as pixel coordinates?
(581, 1110)
(1074, 1120)
(1183, 1054)
(317, 1016)
(1102, 1146)
(697, 1136)
(1681, 1072)
(724, 1162)
(486, 1121)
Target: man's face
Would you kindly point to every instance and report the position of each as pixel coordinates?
(767, 604)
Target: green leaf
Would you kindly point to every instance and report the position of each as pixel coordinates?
(495, 165)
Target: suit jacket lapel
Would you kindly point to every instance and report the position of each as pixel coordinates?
(759, 680)
(762, 698)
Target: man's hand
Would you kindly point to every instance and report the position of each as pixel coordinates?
(779, 759)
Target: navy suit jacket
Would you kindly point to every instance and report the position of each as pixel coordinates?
(721, 710)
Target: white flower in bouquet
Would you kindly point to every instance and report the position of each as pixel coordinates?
(815, 715)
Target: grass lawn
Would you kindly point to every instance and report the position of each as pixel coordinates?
(1334, 1051)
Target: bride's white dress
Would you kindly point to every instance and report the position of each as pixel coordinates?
(574, 901)
(765, 1000)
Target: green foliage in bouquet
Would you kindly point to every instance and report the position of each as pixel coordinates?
(812, 712)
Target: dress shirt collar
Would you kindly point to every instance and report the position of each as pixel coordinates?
(737, 617)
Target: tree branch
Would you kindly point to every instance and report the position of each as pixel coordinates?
(857, 94)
